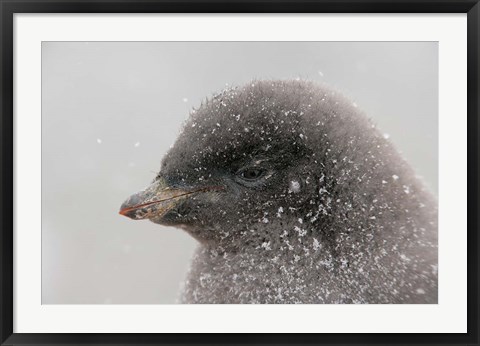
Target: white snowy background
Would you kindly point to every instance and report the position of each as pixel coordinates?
(111, 110)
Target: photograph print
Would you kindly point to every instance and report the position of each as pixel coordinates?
(239, 172)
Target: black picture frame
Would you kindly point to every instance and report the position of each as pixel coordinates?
(9, 7)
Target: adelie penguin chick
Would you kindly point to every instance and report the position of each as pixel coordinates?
(294, 197)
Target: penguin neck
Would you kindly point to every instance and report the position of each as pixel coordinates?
(289, 243)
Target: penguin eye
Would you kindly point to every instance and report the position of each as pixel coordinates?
(251, 174)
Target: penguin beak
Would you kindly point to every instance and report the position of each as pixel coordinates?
(156, 200)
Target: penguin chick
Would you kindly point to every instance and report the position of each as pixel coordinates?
(294, 196)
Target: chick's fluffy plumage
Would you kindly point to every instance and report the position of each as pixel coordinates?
(335, 215)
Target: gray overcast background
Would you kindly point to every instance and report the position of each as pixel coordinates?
(111, 110)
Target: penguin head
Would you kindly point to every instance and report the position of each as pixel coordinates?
(246, 164)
